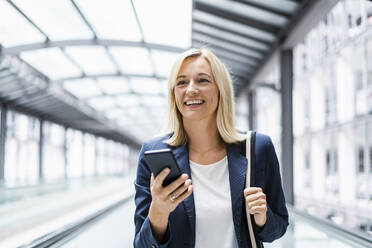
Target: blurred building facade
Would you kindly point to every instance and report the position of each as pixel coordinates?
(332, 115)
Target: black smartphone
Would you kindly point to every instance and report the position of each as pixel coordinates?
(160, 159)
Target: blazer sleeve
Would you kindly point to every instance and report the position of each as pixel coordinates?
(143, 232)
(277, 214)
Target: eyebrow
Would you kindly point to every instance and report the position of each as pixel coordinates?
(181, 76)
(199, 74)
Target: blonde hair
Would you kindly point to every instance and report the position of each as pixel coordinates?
(225, 109)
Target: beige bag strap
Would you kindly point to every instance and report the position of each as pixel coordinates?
(248, 184)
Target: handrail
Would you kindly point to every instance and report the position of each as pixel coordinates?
(353, 237)
(67, 231)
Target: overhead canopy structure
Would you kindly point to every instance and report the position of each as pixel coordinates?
(244, 33)
(102, 66)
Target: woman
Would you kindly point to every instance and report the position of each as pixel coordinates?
(205, 206)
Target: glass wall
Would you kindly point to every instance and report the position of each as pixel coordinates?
(21, 165)
(66, 153)
(75, 153)
(89, 154)
(53, 152)
(332, 104)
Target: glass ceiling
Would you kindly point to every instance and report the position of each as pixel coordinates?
(97, 51)
(111, 59)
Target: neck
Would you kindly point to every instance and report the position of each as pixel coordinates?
(202, 135)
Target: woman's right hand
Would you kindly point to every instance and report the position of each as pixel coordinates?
(166, 199)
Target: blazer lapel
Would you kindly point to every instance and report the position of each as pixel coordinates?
(237, 164)
(181, 154)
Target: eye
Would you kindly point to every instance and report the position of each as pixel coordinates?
(202, 80)
(182, 82)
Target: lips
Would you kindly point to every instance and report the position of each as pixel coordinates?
(194, 102)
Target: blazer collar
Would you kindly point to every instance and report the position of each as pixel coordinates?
(237, 165)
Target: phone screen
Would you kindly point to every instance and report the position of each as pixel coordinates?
(157, 160)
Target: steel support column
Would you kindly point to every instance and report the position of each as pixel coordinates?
(252, 109)
(2, 143)
(65, 157)
(41, 150)
(286, 80)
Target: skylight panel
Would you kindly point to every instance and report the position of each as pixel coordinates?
(163, 62)
(111, 19)
(92, 59)
(127, 100)
(112, 85)
(58, 18)
(139, 112)
(154, 101)
(102, 103)
(126, 122)
(133, 60)
(145, 86)
(82, 88)
(51, 62)
(168, 22)
(115, 113)
(15, 29)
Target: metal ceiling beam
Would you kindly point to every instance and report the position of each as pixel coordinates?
(84, 19)
(229, 15)
(103, 75)
(89, 42)
(234, 27)
(230, 56)
(124, 94)
(232, 32)
(220, 34)
(23, 91)
(238, 67)
(255, 61)
(238, 49)
(113, 61)
(226, 40)
(28, 19)
(244, 74)
(266, 6)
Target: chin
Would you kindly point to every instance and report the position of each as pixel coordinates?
(195, 116)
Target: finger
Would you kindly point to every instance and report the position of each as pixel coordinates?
(260, 202)
(152, 179)
(182, 188)
(251, 190)
(159, 179)
(258, 210)
(184, 195)
(254, 197)
(176, 184)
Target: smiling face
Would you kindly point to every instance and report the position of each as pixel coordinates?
(196, 92)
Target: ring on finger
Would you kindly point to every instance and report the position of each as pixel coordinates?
(173, 197)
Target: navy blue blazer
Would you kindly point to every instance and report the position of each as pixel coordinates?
(181, 225)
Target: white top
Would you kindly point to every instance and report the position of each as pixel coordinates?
(214, 225)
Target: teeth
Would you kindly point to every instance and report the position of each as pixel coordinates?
(194, 102)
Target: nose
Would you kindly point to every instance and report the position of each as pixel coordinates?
(192, 88)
